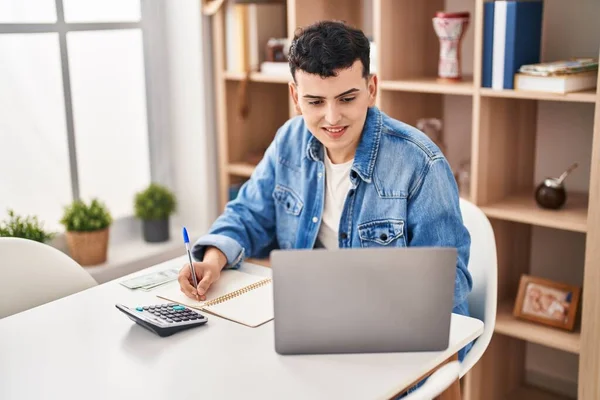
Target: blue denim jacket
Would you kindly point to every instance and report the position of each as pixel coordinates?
(402, 193)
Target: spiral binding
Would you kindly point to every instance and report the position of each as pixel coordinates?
(238, 292)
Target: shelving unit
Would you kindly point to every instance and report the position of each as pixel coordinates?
(503, 151)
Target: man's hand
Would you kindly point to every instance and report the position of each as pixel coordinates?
(207, 272)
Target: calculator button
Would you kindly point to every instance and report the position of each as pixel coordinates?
(140, 308)
(169, 320)
(178, 308)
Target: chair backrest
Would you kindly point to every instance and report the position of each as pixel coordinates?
(483, 266)
(33, 273)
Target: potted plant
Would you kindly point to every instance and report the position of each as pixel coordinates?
(153, 206)
(87, 227)
(28, 227)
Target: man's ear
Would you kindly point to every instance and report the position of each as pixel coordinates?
(372, 86)
(294, 94)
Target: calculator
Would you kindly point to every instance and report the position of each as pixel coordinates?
(164, 319)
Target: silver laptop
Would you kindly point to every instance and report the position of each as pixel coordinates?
(363, 300)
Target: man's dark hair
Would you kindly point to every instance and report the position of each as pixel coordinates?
(325, 46)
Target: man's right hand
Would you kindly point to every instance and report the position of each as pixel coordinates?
(207, 272)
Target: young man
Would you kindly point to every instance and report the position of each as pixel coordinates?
(342, 174)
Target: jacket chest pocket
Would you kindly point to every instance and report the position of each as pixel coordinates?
(288, 207)
(381, 233)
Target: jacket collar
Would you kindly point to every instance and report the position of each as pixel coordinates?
(366, 152)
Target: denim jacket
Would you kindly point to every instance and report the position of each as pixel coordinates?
(402, 193)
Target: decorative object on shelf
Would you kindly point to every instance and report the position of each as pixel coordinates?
(87, 231)
(432, 127)
(450, 29)
(512, 35)
(547, 302)
(153, 206)
(25, 227)
(277, 50)
(551, 192)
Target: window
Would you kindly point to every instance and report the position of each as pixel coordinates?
(74, 105)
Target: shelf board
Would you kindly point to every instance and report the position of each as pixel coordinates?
(507, 324)
(258, 77)
(523, 208)
(585, 96)
(533, 393)
(241, 169)
(430, 85)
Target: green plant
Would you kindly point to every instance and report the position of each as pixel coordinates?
(81, 217)
(28, 227)
(155, 202)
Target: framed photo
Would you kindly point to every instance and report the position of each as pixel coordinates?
(547, 302)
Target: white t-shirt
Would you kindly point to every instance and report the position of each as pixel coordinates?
(337, 184)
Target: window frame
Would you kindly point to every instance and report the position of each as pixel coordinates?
(152, 28)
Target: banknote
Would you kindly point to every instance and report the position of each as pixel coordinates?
(151, 279)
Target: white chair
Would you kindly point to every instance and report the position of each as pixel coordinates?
(483, 266)
(33, 273)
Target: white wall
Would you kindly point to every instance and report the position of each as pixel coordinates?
(190, 102)
(564, 135)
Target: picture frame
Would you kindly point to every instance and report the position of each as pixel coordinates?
(547, 302)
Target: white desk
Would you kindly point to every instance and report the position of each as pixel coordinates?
(82, 347)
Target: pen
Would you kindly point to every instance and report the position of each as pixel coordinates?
(186, 239)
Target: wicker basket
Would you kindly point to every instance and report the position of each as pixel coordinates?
(88, 248)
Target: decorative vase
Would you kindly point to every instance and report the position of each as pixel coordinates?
(156, 230)
(88, 248)
(450, 29)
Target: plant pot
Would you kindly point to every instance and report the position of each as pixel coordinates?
(156, 230)
(88, 248)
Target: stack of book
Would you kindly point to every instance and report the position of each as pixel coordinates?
(562, 76)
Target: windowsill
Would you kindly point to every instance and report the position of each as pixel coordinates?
(129, 253)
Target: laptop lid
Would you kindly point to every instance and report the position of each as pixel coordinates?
(363, 300)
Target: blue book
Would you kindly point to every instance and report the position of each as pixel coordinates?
(488, 37)
(516, 39)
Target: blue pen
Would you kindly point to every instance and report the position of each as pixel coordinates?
(186, 239)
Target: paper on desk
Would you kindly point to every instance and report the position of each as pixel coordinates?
(152, 279)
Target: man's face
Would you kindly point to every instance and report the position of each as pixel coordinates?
(335, 108)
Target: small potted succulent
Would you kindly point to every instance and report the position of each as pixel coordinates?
(87, 227)
(26, 227)
(153, 206)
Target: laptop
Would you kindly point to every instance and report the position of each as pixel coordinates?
(363, 300)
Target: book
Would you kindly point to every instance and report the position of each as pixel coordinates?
(556, 84)
(512, 40)
(561, 67)
(237, 296)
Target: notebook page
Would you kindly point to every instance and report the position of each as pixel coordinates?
(252, 308)
(230, 281)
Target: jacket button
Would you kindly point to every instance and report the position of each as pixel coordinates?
(383, 237)
(350, 193)
(344, 235)
(353, 174)
(315, 220)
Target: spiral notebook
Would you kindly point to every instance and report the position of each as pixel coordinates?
(237, 296)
